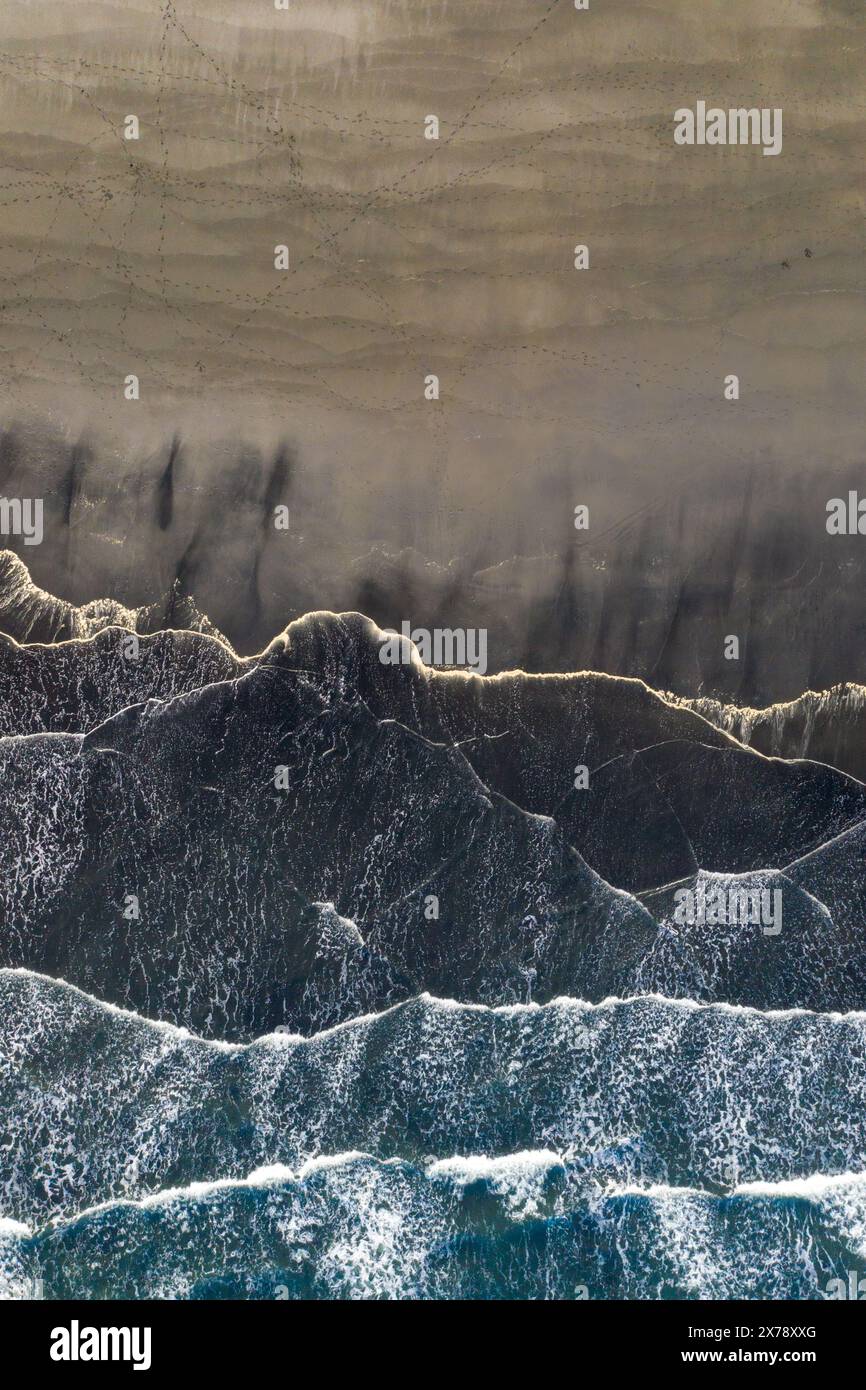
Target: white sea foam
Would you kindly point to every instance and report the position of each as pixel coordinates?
(813, 1187)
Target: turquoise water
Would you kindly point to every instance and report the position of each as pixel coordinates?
(644, 1149)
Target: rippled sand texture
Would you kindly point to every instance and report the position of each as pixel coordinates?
(455, 257)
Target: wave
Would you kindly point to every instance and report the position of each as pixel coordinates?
(703, 800)
(826, 725)
(350, 1226)
(192, 858)
(97, 1104)
(31, 614)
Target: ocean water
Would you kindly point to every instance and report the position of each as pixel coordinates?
(525, 1226)
(374, 1029)
(642, 1148)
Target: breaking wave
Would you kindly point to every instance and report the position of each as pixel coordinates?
(525, 1227)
